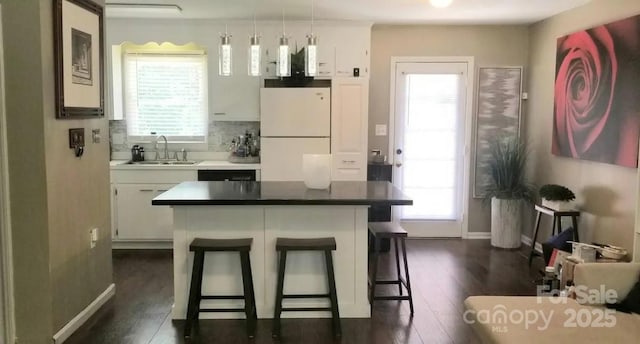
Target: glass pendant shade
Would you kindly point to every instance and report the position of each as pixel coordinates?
(254, 54)
(311, 56)
(283, 67)
(225, 67)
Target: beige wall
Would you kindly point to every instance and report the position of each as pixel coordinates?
(606, 193)
(27, 175)
(489, 45)
(78, 273)
(55, 198)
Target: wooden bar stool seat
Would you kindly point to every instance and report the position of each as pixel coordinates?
(394, 232)
(326, 245)
(200, 246)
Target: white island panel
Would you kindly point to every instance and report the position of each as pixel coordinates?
(305, 270)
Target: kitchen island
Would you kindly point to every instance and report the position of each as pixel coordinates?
(265, 211)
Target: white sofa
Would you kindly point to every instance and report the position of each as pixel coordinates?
(560, 322)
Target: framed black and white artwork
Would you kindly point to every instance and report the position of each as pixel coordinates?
(78, 28)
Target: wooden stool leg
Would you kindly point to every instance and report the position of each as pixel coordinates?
(395, 241)
(574, 222)
(195, 292)
(275, 332)
(333, 296)
(374, 272)
(406, 274)
(249, 297)
(535, 237)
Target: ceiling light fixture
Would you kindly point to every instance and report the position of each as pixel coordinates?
(130, 10)
(440, 3)
(311, 51)
(254, 63)
(283, 67)
(225, 61)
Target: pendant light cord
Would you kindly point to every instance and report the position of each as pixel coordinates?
(255, 30)
(283, 28)
(312, 15)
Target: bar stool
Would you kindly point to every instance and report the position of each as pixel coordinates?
(200, 247)
(284, 245)
(394, 232)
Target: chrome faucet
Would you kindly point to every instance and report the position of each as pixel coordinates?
(166, 147)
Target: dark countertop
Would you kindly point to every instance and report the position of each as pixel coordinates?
(282, 193)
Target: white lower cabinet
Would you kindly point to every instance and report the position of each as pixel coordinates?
(349, 130)
(136, 218)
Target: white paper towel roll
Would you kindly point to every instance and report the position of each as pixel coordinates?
(316, 169)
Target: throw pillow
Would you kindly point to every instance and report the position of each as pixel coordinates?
(631, 303)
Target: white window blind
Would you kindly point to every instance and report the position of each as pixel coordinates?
(432, 147)
(166, 94)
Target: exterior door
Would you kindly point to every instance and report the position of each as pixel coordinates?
(429, 154)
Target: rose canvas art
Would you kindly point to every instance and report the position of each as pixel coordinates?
(597, 94)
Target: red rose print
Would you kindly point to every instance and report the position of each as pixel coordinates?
(585, 85)
(597, 99)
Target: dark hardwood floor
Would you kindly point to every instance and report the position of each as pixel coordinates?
(443, 274)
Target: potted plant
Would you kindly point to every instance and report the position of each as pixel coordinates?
(508, 189)
(556, 197)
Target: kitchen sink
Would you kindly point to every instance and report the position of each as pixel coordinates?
(163, 162)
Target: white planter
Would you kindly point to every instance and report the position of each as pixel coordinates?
(506, 223)
(557, 205)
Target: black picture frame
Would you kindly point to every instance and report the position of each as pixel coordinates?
(79, 81)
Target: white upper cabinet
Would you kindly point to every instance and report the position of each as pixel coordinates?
(352, 51)
(342, 46)
(113, 72)
(349, 130)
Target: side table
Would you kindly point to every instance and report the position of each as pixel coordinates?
(556, 227)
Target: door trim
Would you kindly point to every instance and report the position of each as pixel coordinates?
(6, 259)
(466, 178)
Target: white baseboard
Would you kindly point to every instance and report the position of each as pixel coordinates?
(478, 235)
(83, 316)
(527, 241)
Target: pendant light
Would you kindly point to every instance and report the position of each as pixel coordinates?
(311, 51)
(283, 62)
(255, 55)
(225, 61)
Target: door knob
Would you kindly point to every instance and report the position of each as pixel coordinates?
(398, 164)
(398, 151)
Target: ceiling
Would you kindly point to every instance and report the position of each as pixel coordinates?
(377, 11)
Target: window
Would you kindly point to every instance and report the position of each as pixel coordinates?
(166, 94)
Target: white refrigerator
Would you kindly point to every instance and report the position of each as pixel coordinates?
(293, 121)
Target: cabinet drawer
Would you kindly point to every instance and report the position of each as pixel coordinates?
(349, 160)
(150, 177)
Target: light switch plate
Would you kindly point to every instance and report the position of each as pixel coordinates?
(381, 130)
(95, 135)
(93, 234)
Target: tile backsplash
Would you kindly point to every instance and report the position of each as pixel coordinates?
(219, 140)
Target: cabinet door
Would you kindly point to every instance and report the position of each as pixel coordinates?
(351, 54)
(349, 128)
(137, 219)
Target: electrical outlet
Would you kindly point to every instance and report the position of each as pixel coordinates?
(381, 130)
(93, 236)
